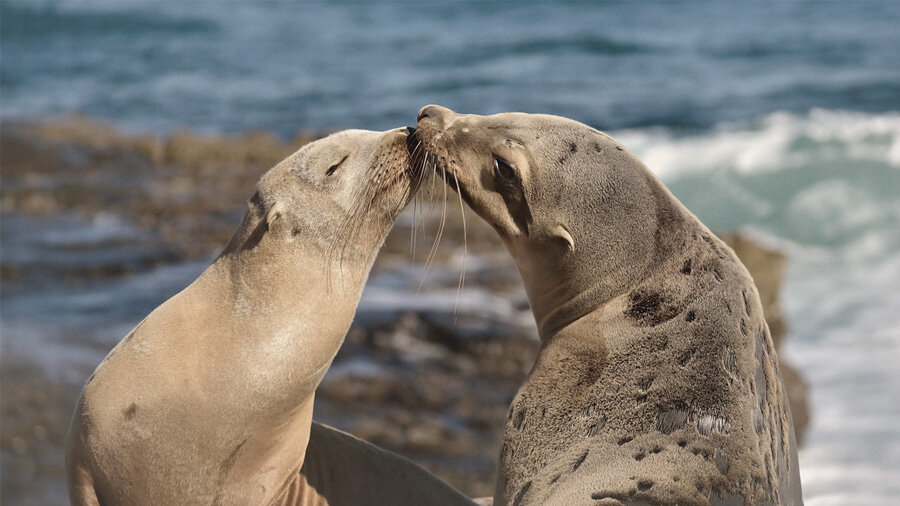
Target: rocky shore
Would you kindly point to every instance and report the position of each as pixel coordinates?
(427, 370)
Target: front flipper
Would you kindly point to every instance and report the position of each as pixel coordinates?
(341, 469)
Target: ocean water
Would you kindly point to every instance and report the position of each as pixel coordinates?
(232, 66)
(780, 119)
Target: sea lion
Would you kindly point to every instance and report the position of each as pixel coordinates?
(209, 400)
(657, 380)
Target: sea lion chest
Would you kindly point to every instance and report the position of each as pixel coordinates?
(655, 398)
(211, 387)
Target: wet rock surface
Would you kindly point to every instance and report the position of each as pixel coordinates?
(100, 227)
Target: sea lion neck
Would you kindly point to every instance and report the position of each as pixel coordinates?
(604, 267)
(562, 306)
(277, 270)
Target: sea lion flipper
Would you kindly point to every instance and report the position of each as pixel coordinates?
(342, 469)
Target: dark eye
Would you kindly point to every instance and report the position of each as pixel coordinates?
(503, 170)
(334, 167)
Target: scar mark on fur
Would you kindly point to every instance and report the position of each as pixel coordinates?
(589, 411)
(225, 468)
(686, 268)
(723, 463)
(520, 419)
(743, 327)
(594, 429)
(649, 308)
(759, 423)
(521, 494)
(729, 361)
(114, 350)
(712, 244)
(708, 424)
(671, 420)
(597, 496)
(591, 373)
(580, 461)
(717, 273)
(690, 316)
(746, 303)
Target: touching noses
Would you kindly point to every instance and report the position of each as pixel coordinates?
(435, 113)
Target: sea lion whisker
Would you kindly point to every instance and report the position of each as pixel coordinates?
(440, 231)
(462, 273)
(364, 195)
(433, 173)
(412, 232)
(437, 239)
(442, 224)
(424, 201)
(416, 198)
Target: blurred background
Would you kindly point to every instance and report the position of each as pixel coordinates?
(133, 131)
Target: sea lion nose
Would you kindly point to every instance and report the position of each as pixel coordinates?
(435, 113)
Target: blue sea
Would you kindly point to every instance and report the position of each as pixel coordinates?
(781, 119)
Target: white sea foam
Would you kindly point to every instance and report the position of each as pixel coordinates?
(775, 142)
(845, 338)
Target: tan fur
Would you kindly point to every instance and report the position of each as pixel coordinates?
(657, 380)
(209, 399)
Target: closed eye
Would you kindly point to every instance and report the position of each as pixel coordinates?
(335, 167)
(503, 170)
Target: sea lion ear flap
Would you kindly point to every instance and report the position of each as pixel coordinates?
(274, 213)
(562, 233)
(246, 238)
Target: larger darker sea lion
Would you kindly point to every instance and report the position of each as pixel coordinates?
(209, 399)
(657, 380)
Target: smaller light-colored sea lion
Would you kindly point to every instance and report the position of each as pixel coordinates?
(657, 381)
(209, 400)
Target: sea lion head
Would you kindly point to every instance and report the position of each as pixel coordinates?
(338, 195)
(577, 211)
